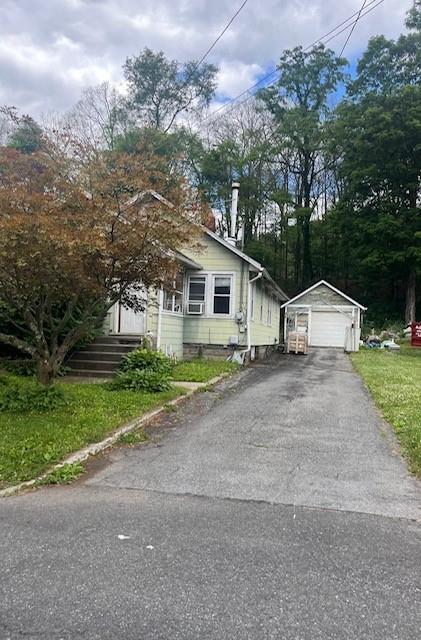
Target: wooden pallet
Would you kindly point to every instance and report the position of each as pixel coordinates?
(297, 342)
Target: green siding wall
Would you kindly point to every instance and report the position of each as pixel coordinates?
(172, 334)
(263, 333)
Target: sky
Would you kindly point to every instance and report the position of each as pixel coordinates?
(50, 50)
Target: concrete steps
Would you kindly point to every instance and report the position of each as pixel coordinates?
(101, 358)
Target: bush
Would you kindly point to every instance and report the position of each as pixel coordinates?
(147, 360)
(18, 366)
(141, 380)
(29, 397)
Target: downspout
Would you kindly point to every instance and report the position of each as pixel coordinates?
(159, 327)
(259, 275)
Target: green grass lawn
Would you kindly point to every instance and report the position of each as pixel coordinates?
(394, 380)
(202, 370)
(31, 441)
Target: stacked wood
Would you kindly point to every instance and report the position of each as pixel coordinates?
(297, 342)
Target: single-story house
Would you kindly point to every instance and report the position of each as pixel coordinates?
(328, 316)
(223, 301)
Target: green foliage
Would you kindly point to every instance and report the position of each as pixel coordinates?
(64, 474)
(18, 366)
(32, 441)
(134, 437)
(28, 136)
(161, 89)
(394, 379)
(31, 396)
(202, 370)
(141, 380)
(147, 359)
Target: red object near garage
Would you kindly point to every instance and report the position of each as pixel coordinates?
(416, 334)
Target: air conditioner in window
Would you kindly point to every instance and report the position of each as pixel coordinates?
(195, 308)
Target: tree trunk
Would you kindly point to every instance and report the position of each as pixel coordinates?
(46, 371)
(307, 273)
(411, 285)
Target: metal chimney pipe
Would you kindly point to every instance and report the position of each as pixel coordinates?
(234, 206)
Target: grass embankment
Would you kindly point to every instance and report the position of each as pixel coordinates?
(31, 441)
(394, 380)
(201, 370)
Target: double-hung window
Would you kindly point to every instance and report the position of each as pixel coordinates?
(222, 286)
(197, 294)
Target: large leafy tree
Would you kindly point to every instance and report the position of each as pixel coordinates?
(299, 103)
(380, 141)
(77, 233)
(159, 90)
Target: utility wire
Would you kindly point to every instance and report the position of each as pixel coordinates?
(370, 7)
(225, 29)
(352, 29)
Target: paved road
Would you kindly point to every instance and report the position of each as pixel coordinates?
(274, 508)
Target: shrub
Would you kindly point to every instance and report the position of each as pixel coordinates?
(29, 397)
(19, 367)
(147, 360)
(141, 380)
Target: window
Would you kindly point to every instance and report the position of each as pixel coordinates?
(222, 295)
(270, 303)
(173, 298)
(197, 287)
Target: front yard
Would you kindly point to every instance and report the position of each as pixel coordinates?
(394, 380)
(31, 441)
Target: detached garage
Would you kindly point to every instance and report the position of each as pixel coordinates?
(326, 315)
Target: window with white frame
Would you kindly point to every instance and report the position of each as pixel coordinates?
(196, 294)
(261, 303)
(222, 287)
(270, 304)
(173, 298)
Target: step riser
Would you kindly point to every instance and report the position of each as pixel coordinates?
(86, 365)
(79, 373)
(97, 355)
(123, 340)
(99, 347)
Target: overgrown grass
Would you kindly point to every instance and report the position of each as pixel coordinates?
(31, 441)
(202, 370)
(394, 380)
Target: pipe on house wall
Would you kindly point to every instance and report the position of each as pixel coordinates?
(159, 323)
(259, 275)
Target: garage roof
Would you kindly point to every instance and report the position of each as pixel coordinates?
(327, 284)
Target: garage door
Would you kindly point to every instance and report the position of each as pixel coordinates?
(328, 328)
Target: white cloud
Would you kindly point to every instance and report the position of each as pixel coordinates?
(51, 49)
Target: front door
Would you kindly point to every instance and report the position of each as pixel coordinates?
(130, 321)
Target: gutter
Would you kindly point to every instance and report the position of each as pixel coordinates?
(250, 282)
(159, 324)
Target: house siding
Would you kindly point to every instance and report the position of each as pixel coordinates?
(321, 295)
(263, 333)
(172, 334)
(210, 329)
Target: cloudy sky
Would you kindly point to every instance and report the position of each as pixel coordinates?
(51, 49)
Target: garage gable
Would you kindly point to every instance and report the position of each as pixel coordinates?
(323, 293)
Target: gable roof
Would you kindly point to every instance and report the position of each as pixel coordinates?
(327, 284)
(253, 263)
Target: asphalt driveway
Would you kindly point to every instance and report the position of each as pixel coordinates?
(300, 430)
(275, 507)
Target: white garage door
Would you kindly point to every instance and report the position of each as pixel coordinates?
(328, 328)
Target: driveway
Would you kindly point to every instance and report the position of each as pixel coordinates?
(275, 507)
(301, 430)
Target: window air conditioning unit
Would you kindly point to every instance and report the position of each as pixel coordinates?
(195, 308)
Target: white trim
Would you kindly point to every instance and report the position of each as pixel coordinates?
(209, 287)
(314, 286)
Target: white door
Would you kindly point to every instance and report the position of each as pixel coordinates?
(130, 321)
(328, 328)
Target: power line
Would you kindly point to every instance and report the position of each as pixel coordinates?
(353, 27)
(370, 7)
(225, 29)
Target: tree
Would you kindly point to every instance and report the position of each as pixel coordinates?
(77, 234)
(381, 158)
(388, 65)
(298, 102)
(27, 136)
(161, 89)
